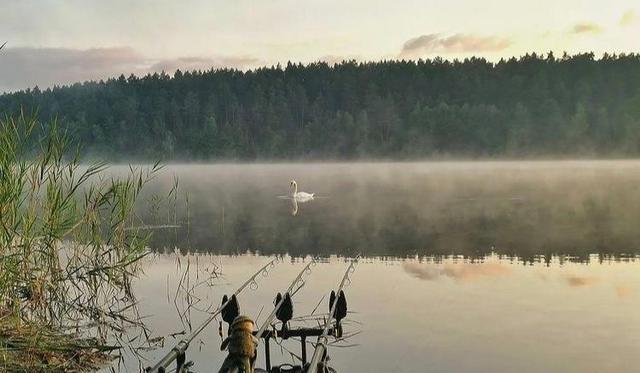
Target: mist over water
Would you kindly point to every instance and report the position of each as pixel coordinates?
(529, 210)
(467, 266)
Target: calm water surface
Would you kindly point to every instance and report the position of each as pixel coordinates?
(483, 267)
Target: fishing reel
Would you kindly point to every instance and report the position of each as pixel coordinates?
(283, 311)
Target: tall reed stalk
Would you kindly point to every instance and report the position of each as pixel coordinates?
(66, 259)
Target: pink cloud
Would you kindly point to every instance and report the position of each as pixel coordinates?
(459, 272)
(434, 43)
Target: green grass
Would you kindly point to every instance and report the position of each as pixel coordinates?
(67, 258)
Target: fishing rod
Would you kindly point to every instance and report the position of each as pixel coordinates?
(281, 301)
(177, 353)
(337, 300)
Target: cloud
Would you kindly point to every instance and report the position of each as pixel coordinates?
(580, 281)
(472, 271)
(28, 67)
(628, 18)
(22, 68)
(423, 272)
(586, 28)
(459, 272)
(624, 291)
(436, 43)
(203, 63)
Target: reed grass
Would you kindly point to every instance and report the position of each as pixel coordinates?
(66, 256)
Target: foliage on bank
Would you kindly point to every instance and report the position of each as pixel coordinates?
(66, 254)
(529, 106)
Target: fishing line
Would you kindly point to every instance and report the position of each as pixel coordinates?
(323, 340)
(178, 352)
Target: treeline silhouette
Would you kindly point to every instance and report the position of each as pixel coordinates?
(532, 106)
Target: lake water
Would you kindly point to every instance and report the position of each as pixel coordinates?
(466, 267)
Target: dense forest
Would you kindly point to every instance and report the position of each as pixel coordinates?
(533, 106)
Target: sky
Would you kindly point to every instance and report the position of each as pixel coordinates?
(53, 42)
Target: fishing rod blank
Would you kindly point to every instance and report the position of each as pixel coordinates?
(321, 345)
(279, 304)
(261, 331)
(178, 352)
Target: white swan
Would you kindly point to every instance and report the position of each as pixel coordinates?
(299, 196)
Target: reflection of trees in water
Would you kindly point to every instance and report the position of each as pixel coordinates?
(575, 216)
